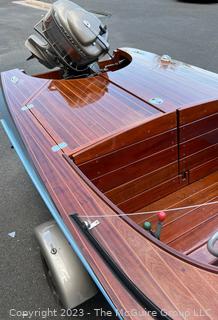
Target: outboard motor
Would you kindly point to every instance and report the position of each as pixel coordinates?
(72, 39)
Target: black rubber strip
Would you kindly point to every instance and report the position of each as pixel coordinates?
(144, 301)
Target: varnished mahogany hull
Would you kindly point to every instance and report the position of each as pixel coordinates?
(120, 146)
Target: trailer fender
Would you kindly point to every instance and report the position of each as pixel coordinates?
(72, 283)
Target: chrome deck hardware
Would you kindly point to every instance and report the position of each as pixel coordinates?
(27, 107)
(90, 225)
(59, 146)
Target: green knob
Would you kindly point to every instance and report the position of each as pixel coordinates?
(147, 225)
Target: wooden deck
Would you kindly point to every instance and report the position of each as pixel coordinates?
(189, 230)
(177, 83)
(175, 283)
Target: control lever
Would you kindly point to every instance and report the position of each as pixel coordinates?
(148, 226)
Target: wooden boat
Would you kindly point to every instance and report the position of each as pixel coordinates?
(115, 149)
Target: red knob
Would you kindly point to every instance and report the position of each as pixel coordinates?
(161, 216)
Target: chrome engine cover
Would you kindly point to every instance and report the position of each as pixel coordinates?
(73, 38)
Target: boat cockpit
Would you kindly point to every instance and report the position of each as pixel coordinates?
(167, 164)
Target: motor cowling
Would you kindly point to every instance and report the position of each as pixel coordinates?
(72, 38)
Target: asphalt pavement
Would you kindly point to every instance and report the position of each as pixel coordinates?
(186, 30)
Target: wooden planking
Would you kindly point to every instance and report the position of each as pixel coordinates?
(122, 109)
(197, 237)
(199, 192)
(133, 134)
(64, 188)
(93, 102)
(148, 196)
(70, 193)
(149, 257)
(198, 136)
(103, 164)
(120, 212)
(180, 224)
(84, 111)
(192, 113)
(144, 182)
(25, 90)
(202, 254)
(203, 170)
(200, 157)
(42, 156)
(136, 169)
(200, 288)
(195, 197)
(147, 77)
(190, 220)
(119, 170)
(160, 86)
(199, 127)
(59, 180)
(92, 118)
(97, 107)
(19, 91)
(129, 154)
(198, 143)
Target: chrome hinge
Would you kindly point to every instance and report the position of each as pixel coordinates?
(27, 107)
(90, 225)
(59, 146)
